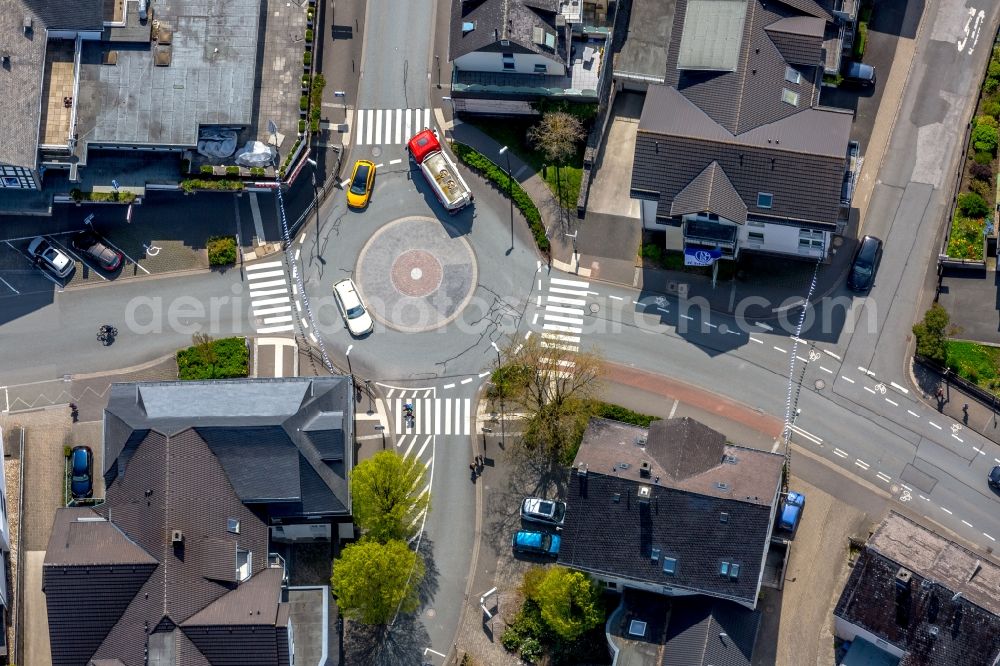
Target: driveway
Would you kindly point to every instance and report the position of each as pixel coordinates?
(609, 192)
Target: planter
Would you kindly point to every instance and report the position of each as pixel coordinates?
(218, 171)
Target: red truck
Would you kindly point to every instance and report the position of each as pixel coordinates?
(442, 175)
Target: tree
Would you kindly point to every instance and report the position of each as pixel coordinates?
(556, 136)
(373, 581)
(556, 389)
(569, 601)
(388, 492)
(931, 334)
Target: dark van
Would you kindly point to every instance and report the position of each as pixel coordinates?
(865, 263)
(859, 73)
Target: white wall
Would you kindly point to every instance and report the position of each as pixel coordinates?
(493, 106)
(524, 63)
(848, 631)
(782, 238)
(301, 532)
(648, 213)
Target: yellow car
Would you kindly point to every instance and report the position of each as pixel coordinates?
(362, 181)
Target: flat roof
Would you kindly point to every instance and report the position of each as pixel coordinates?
(644, 54)
(712, 34)
(209, 81)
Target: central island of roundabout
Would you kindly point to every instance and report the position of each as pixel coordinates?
(415, 276)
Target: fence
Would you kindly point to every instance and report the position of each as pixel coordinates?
(984, 396)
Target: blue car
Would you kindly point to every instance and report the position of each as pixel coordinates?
(791, 511)
(536, 543)
(81, 483)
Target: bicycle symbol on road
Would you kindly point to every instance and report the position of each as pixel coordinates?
(880, 387)
(151, 250)
(955, 427)
(813, 355)
(905, 496)
(661, 301)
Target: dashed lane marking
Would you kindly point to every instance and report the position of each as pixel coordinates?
(448, 386)
(870, 390)
(779, 349)
(949, 512)
(830, 353)
(912, 413)
(892, 402)
(935, 425)
(861, 463)
(753, 339)
(842, 454)
(826, 370)
(885, 477)
(898, 387)
(847, 379)
(966, 523)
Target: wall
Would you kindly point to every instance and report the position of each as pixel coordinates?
(782, 238)
(493, 106)
(4, 527)
(524, 63)
(665, 590)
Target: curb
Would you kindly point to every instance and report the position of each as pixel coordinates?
(122, 371)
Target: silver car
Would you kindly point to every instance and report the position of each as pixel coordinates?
(50, 257)
(540, 510)
(358, 321)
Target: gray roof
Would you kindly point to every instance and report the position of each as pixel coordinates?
(711, 190)
(253, 603)
(710, 632)
(799, 39)
(711, 35)
(693, 480)
(810, 7)
(799, 159)
(209, 81)
(21, 83)
(925, 595)
(644, 53)
(496, 20)
(80, 536)
(280, 441)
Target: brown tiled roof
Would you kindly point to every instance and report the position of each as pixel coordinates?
(799, 39)
(496, 20)
(711, 191)
(80, 536)
(254, 602)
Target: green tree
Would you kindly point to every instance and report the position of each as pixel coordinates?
(556, 389)
(569, 601)
(972, 205)
(931, 334)
(985, 137)
(557, 136)
(372, 580)
(388, 492)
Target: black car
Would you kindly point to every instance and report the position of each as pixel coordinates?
(81, 460)
(97, 249)
(865, 263)
(994, 478)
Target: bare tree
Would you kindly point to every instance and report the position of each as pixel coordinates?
(556, 388)
(557, 136)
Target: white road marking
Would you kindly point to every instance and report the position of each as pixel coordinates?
(561, 338)
(912, 413)
(664, 310)
(276, 329)
(870, 390)
(534, 320)
(847, 379)
(564, 320)
(898, 387)
(709, 325)
(687, 317)
(826, 370)
(617, 298)
(570, 283)
(269, 311)
(763, 326)
(566, 301)
(988, 536)
(958, 438)
(265, 264)
(830, 353)
(866, 371)
(950, 513)
(967, 523)
(885, 477)
(564, 310)
(776, 347)
(448, 386)
(267, 292)
(395, 161)
(278, 320)
(807, 435)
(673, 410)
(560, 329)
(840, 453)
(271, 301)
(753, 339)
(466, 380)
(892, 402)
(861, 463)
(568, 292)
(804, 360)
(935, 425)
(264, 274)
(254, 286)
(799, 340)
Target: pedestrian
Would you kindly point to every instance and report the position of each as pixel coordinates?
(940, 393)
(965, 408)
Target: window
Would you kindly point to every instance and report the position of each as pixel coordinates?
(505, 42)
(669, 565)
(508, 61)
(789, 97)
(724, 569)
(468, 26)
(764, 199)
(723, 517)
(655, 554)
(244, 564)
(755, 236)
(541, 68)
(734, 571)
(810, 239)
(233, 525)
(792, 75)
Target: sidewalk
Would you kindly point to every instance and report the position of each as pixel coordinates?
(979, 417)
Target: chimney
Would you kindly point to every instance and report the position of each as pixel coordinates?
(644, 471)
(176, 537)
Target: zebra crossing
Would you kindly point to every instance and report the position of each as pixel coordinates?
(562, 318)
(389, 126)
(431, 415)
(270, 297)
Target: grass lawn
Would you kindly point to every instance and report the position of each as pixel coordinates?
(980, 364)
(513, 133)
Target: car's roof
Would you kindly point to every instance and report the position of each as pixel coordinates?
(526, 538)
(348, 293)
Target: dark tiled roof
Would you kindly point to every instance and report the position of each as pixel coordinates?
(945, 615)
(256, 602)
(711, 191)
(496, 20)
(685, 447)
(799, 39)
(710, 632)
(80, 536)
(610, 532)
(261, 462)
(810, 7)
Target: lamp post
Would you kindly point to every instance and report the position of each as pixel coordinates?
(510, 197)
(348, 355)
(381, 430)
(368, 390)
(437, 60)
(503, 430)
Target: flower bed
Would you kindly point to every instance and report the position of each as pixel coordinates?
(226, 358)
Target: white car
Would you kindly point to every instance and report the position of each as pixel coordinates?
(538, 510)
(358, 321)
(50, 257)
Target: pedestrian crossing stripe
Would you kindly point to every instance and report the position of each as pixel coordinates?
(434, 416)
(270, 299)
(389, 126)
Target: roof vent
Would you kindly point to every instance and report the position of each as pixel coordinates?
(26, 24)
(644, 471)
(640, 441)
(616, 498)
(581, 470)
(903, 578)
(722, 486)
(723, 517)
(176, 537)
(654, 555)
(624, 466)
(644, 493)
(637, 628)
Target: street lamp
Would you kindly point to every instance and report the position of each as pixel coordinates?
(503, 430)
(348, 355)
(381, 430)
(437, 59)
(315, 201)
(371, 404)
(510, 196)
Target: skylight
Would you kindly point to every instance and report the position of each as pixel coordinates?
(789, 97)
(792, 75)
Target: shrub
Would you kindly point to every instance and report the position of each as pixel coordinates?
(861, 40)
(307, 58)
(991, 108)
(314, 125)
(303, 103)
(310, 35)
(257, 171)
(981, 187)
(931, 334)
(971, 204)
(316, 90)
(482, 165)
(993, 70)
(652, 251)
(981, 172)
(192, 184)
(232, 170)
(990, 85)
(606, 410)
(965, 240)
(987, 120)
(206, 169)
(221, 250)
(214, 359)
(305, 80)
(302, 126)
(983, 157)
(67, 450)
(985, 137)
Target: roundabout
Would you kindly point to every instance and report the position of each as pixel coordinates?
(415, 276)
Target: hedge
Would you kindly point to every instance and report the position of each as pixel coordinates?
(222, 359)
(257, 171)
(192, 184)
(221, 250)
(119, 197)
(307, 58)
(483, 166)
(861, 40)
(606, 410)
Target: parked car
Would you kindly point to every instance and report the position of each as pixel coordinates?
(358, 321)
(545, 511)
(81, 461)
(865, 264)
(859, 73)
(362, 181)
(95, 247)
(791, 511)
(536, 543)
(994, 478)
(50, 257)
